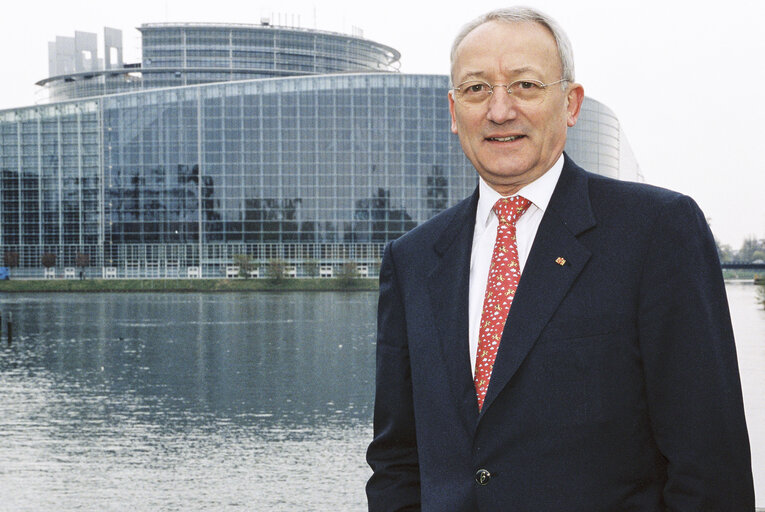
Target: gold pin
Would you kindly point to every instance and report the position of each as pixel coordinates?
(561, 261)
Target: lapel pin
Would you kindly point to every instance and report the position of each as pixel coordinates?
(561, 261)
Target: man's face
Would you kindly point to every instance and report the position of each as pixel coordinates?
(511, 144)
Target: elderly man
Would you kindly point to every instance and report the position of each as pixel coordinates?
(559, 341)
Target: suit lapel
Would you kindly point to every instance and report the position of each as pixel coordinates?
(545, 281)
(448, 288)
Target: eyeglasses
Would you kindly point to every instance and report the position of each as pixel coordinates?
(527, 92)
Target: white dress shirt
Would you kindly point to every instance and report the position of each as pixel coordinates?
(485, 234)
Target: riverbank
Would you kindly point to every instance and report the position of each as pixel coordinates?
(737, 274)
(187, 285)
(203, 285)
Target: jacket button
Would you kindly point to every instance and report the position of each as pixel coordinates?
(482, 476)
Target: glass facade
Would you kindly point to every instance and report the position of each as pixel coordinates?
(265, 49)
(179, 54)
(50, 189)
(598, 127)
(315, 170)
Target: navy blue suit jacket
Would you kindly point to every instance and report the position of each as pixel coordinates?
(616, 384)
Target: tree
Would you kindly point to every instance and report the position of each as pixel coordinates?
(348, 273)
(748, 249)
(311, 268)
(48, 260)
(276, 269)
(82, 260)
(724, 251)
(11, 259)
(244, 261)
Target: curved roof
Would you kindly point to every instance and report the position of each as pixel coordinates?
(178, 54)
(395, 54)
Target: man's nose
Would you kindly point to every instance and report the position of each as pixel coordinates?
(502, 105)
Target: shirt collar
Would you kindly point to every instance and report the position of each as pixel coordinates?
(538, 192)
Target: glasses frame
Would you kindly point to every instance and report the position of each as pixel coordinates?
(456, 89)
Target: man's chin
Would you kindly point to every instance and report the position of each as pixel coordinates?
(508, 180)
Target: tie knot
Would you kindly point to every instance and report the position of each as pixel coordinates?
(509, 209)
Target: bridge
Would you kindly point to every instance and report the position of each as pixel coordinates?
(740, 265)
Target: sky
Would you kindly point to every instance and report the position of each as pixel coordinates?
(684, 78)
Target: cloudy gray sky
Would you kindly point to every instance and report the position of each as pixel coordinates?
(685, 78)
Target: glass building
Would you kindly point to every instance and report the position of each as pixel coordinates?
(273, 142)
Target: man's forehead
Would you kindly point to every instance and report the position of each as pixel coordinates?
(468, 72)
(521, 47)
(517, 29)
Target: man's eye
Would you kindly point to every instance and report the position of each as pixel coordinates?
(475, 88)
(526, 85)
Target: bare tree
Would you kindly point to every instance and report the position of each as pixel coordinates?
(48, 260)
(82, 260)
(11, 259)
(311, 267)
(348, 273)
(276, 268)
(244, 262)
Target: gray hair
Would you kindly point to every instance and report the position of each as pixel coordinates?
(523, 14)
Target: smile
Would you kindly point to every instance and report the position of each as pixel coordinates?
(504, 139)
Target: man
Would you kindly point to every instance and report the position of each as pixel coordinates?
(611, 384)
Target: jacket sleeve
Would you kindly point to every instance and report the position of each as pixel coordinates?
(392, 455)
(691, 371)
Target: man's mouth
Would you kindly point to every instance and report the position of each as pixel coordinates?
(504, 139)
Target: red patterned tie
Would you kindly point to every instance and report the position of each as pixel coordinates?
(504, 274)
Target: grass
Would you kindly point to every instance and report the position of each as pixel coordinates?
(186, 285)
(207, 285)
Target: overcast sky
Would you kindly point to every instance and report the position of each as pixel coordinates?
(684, 78)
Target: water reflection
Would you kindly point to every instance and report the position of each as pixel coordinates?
(186, 401)
(749, 327)
(215, 401)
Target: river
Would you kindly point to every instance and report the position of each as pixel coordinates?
(248, 401)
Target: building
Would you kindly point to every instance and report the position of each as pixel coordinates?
(279, 143)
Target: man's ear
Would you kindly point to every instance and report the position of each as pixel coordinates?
(574, 99)
(451, 111)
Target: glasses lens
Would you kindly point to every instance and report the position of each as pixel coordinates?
(522, 91)
(527, 91)
(474, 92)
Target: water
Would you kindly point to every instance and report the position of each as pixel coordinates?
(215, 401)
(186, 402)
(749, 327)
